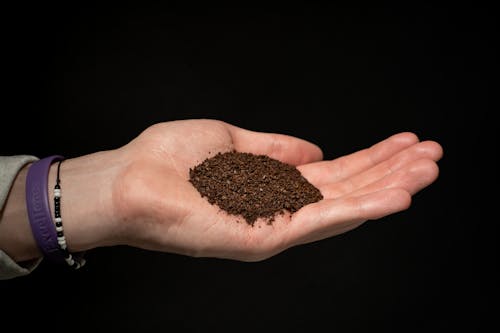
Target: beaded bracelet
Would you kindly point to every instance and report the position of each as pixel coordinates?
(73, 261)
(45, 233)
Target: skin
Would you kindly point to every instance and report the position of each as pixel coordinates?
(139, 195)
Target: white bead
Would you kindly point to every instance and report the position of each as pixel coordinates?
(61, 239)
(59, 228)
(58, 219)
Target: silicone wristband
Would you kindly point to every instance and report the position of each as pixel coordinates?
(37, 202)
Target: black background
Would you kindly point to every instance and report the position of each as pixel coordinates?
(81, 78)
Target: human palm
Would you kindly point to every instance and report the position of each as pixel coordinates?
(162, 211)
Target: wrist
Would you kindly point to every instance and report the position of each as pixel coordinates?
(87, 184)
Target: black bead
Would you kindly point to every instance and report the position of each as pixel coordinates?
(60, 234)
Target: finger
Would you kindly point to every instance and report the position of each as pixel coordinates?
(331, 217)
(285, 148)
(423, 150)
(349, 165)
(412, 178)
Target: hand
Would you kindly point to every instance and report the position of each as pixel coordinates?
(155, 207)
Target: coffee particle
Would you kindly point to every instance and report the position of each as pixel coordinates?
(252, 186)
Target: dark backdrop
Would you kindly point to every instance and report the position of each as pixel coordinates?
(81, 78)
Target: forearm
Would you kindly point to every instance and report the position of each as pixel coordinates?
(86, 206)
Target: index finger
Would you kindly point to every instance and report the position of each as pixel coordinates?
(349, 165)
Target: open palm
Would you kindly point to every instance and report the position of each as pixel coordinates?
(162, 211)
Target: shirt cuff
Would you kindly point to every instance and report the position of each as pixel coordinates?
(10, 166)
(10, 269)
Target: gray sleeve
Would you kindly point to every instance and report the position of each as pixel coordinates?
(9, 167)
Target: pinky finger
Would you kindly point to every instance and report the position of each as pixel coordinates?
(331, 217)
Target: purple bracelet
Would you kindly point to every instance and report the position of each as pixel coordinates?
(37, 201)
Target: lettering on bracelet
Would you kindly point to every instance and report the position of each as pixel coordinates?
(38, 212)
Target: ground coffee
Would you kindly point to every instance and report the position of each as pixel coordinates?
(252, 186)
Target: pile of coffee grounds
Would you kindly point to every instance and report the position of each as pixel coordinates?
(252, 186)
